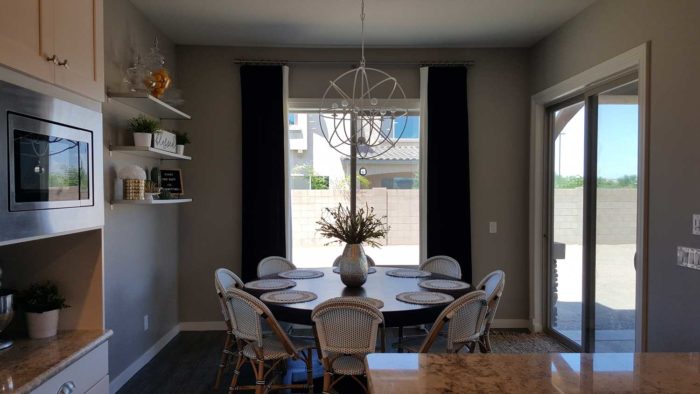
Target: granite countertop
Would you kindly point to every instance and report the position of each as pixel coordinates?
(31, 362)
(541, 373)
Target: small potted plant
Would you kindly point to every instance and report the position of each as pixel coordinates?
(181, 140)
(143, 129)
(41, 303)
(364, 227)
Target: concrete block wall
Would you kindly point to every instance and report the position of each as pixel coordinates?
(401, 208)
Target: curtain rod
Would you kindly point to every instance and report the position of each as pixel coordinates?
(354, 63)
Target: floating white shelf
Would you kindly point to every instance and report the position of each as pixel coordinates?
(153, 202)
(146, 103)
(153, 153)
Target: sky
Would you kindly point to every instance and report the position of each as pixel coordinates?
(617, 142)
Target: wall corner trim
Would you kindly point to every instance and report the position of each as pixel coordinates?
(117, 383)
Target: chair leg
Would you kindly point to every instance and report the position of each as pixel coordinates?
(236, 372)
(400, 340)
(309, 370)
(487, 341)
(224, 360)
(327, 376)
(260, 378)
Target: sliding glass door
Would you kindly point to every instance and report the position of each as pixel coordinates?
(592, 233)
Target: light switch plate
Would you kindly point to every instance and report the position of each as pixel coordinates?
(696, 224)
(493, 227)
(688, 257)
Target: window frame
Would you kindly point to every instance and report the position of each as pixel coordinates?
(414, 106)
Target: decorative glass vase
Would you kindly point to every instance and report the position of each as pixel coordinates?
(353, 266)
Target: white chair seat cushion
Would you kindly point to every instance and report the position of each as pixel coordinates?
(274, 350)
(349, 365)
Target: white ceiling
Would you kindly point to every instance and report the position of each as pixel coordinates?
(336, 23)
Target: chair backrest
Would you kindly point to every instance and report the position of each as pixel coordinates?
(465, 319)
(274, 264)
(444, 265)
(225, 279)
(347, 325)
(246, 314)
(493, 284)
(370, 261)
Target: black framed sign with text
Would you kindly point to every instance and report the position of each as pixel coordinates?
(171, 180)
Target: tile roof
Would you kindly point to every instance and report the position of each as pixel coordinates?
(397, 153)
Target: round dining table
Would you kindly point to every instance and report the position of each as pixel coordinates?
(379, 285)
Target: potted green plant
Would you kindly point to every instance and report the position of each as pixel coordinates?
(41, 303)
(143, 129)
(181, 139)
(364, 227)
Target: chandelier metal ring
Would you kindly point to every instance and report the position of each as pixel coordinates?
(361, 109)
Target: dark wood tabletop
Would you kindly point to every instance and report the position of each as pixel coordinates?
(379, 285)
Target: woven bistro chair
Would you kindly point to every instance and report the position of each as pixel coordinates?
(444, 265)
(266, 353)
(225, 279)
(346, 331)
(464, 318)
(370, 261)
(273, 265)
(493, 284)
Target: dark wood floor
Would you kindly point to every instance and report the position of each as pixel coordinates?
(188, 363)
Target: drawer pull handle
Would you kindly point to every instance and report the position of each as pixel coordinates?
(53, 59)
(64, 63)
(66, 388)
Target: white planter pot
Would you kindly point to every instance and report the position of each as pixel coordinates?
(180, 149)
(143, 139)
(42, 325)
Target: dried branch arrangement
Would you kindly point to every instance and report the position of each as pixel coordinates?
(341, 226)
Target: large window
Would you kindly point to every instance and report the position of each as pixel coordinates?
(319, 178)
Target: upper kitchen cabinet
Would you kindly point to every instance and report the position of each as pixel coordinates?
(60, 41)
(25, 39)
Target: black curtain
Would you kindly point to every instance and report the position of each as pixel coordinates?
(263, 166)
(449, 229)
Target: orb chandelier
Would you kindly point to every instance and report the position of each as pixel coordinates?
(361, 112)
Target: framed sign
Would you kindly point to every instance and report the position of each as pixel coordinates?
(171, 180)
(165, 140)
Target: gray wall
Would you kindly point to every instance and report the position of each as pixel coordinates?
(210, 227)
(602, 31)
(140, 255)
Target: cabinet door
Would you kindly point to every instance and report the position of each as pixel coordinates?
(26, 29)
(78, 43)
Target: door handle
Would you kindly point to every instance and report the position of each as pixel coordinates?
(53, 59)
(635, 261)
(66, 388)
(64, 63)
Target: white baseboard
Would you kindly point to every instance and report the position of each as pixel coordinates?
(202, 326)
(117, 383)
(510, 323)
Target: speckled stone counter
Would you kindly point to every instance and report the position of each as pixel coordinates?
(29, 363)
(534, 373)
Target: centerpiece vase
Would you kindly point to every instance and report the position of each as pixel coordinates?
(353, 266)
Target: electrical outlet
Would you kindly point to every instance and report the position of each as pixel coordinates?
(688, 257)
(145, 322)
(696, 224)
(493, 227)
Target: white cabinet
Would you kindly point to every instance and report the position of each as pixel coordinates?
(59, 41)
(86, 375)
